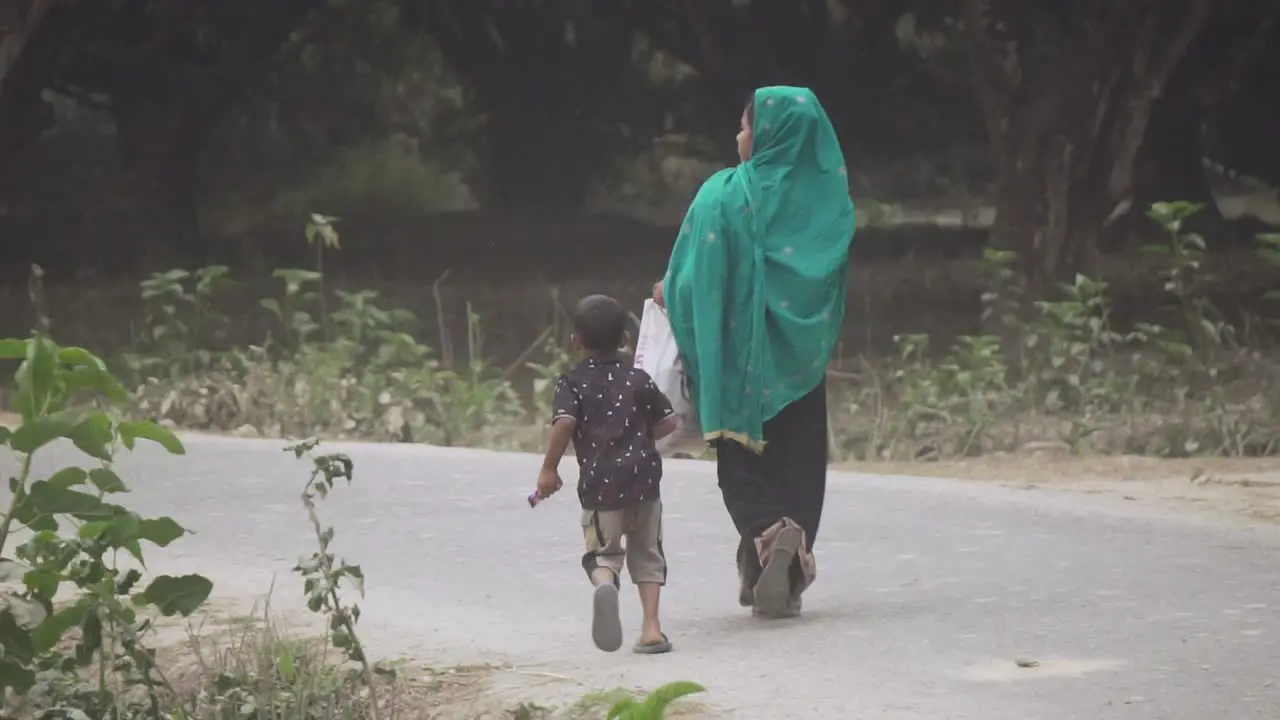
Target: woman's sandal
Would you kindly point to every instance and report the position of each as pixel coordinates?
(773, 590)
(794, 607)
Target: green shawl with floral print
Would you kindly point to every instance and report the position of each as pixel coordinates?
(755, 290)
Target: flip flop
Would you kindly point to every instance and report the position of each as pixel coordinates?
(606, 626)
(773, 590)
(657, 648)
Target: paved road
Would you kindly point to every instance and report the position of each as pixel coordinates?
(928, 591)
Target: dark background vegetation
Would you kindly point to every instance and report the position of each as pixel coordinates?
(520, 144)
(172, 165)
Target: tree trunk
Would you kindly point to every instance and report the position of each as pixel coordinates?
(1020, 204)
(1066, 121)
(1171, 167)
(1201, 93)
(1048, 216)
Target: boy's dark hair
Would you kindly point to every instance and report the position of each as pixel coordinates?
(599, 322)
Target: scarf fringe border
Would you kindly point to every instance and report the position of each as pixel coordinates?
(756, 446)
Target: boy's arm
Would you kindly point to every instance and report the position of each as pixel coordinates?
(564, 418)
(558, 442)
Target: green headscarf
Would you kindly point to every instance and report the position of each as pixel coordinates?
(755, 290)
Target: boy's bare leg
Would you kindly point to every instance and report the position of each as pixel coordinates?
(648, 569)
(651, 627)
(602, 576)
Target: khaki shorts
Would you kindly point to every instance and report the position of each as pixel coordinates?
(641, 527)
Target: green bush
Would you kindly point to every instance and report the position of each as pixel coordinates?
(371, 378)
(1058, 369)
(73, 608)
(1051, 369)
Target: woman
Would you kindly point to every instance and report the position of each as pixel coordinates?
(755, 292)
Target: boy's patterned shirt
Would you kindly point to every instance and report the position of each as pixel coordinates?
(616, 406)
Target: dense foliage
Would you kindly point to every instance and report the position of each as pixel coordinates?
(191, 122)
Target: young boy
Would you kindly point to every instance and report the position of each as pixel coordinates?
(613, 412)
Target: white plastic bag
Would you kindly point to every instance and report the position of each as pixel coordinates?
(657, 355)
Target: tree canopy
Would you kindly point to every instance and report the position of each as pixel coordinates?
(1057, 113)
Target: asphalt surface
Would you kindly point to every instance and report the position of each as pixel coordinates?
(929, 593)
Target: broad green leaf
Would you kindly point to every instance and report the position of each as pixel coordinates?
(85, 378)
(42, 584)
(91, 530)
(47, 635)
(160, 531)
(80, 356)
(4, 435)
(67, 478)
(94, 436)
(656, 704)
(178, 595)
(45, 500)
(121, 529)
(131, 432)
(106, 480)
(37, 377)
(622, 709)
(33, 519)
(134, 548)
(13, 349)
(37, 432)
(124, 530)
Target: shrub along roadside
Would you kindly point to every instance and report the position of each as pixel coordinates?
(373, 378)
(1060, 370)
(61, 534)
(337, 364)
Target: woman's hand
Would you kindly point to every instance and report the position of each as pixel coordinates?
(657, 294)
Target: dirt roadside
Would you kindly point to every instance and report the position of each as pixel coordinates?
(1227, 488)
